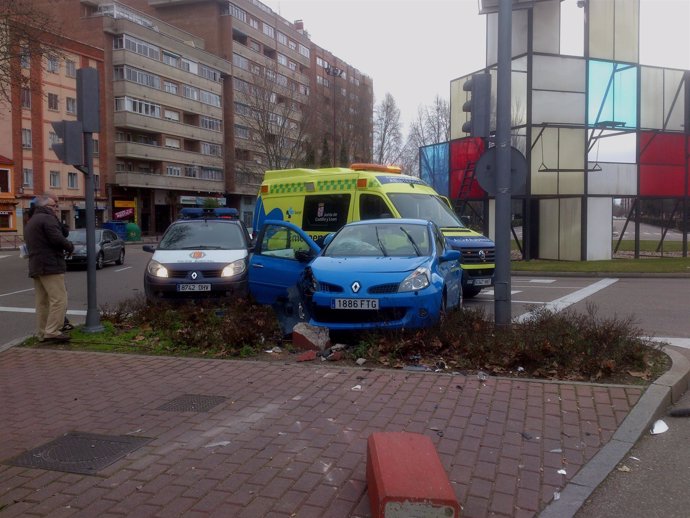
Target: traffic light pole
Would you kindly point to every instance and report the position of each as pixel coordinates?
(502, 288)
(93, 319)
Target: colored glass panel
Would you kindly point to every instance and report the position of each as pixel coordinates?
(464, 154)
(433, 166)
(662, 180)
(612, 95)
(662, 103)
(662, 148)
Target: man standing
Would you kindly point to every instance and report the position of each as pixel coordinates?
(47, 246)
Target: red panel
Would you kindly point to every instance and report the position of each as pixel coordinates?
(464, 153)
(662, 180)
(662, 148)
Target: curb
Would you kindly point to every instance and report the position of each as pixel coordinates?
(661, 394)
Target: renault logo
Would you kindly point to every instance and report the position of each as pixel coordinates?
(482, 256)
(194, 276)
(355, 287)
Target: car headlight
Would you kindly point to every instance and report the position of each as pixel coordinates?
(156, 269)
(417, 280)
(234, 268)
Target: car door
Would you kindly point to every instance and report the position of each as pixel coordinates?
(281, 253)
(449, 270)
(108, 245)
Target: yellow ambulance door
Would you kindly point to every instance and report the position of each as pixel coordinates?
(372, 206)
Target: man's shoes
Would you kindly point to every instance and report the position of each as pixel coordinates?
(67, 327)
(57, 339)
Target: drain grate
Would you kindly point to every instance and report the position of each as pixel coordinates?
(192, 403)
(79, 452)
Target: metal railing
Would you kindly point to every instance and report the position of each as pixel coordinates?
(11, 242)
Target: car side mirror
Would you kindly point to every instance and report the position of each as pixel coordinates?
(303, 256)
(149, 248)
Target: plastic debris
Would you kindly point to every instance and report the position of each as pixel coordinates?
(556, 495)
(659, 427)
(561, 472)
(356, 388)
(274, 350)
(624, 468)
(526, 435)
(556, 450)
(482, 376)
(521, 369)
(216, 444)
(361, 361)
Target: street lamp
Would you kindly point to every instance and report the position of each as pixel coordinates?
(334, 72)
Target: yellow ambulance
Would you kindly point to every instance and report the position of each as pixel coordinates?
(320, 201)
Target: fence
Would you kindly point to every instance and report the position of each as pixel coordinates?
(10, 242)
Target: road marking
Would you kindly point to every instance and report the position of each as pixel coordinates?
(15, 292)
(123, 269)
(678, 342)
(562, 303)
(542, 281)
(8, 309)
(3, 256)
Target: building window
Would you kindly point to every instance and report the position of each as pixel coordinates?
(70, 68)
(210, 73)
(4, 180)
(72, 181)
(240, 62)
(97, 182)
(26, 98)
(210, 123)
(303, 50)
(269, 31)
(190, 92)
(292, 45)
(52, 138)
(210, 98)
(135, 105)
(169, 87)
(171, 59)
(190, 171)
(171, 115)
(241, 132)
(53, 65)
(236, 12)
(173, 170)
(283, 60)
(71, 105)
(28, 178)
(135, 45)
(53, 102)
(172, 142)
(25, 57)
(211, 149)
(282, 38)
(208, 173)
(96, 146)
(253, 22)
(55, 179)
(26, 138)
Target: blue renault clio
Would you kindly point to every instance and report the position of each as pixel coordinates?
(385, 273)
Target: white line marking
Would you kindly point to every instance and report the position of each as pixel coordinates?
(562, 303)
(123, 269)
(8, 309)
(678, 342)
(3, 256)
(542, 281)
(15, 292)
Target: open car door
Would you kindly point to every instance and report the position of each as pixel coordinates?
(281, 253)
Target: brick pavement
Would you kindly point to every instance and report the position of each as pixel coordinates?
(290, 439)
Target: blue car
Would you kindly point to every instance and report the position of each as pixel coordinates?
(383, 273)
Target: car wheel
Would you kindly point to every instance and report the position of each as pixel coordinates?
(121, 258)
(468, 293)
(99, 261)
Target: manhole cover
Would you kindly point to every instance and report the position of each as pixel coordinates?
(79, 452)
(192, 403)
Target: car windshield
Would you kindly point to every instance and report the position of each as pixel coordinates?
(380, 240)
(79, 236)
(425, 206)
(203, 235)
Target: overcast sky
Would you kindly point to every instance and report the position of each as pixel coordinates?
(414, 48)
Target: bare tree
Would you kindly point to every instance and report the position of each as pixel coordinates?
(432, 126)
(388, 143)
(277, 121)
(26, 36)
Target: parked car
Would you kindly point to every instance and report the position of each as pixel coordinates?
(392, 273)
(110, 248)
(202, 255)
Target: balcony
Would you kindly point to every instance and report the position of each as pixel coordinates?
(174, 183)
(151, 124)
(134, 150)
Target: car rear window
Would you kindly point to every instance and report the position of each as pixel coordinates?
(209, 235)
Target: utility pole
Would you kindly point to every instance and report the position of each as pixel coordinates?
(334, 72)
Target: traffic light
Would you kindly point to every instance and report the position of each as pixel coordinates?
(478, 106)
(70, 148)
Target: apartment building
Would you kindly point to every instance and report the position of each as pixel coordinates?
(28, 166)
(202, 96)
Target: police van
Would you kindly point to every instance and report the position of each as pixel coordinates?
(320, 201)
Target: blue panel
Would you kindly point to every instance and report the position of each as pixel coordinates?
(434, 166)
(612, 95)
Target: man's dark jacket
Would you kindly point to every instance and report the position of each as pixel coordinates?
(46, 243)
